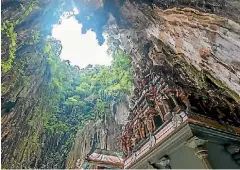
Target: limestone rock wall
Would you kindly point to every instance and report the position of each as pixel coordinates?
(206, 41)
(189, 31)
(103, 134)
(24, 86)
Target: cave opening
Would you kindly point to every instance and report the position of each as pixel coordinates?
(79, 49)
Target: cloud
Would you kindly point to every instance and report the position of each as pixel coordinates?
(80, 49)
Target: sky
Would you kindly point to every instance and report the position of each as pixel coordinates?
(80, 49)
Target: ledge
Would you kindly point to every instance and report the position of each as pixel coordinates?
(168, 138)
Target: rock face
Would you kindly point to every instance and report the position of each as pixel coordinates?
(192, 50)
(104, 134)
(206, 41)
(26, 94)
(215, 52)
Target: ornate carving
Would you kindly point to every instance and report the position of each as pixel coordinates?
(137, 129)
(195, 142)
(152, 140)
(150, 122)
(159, 92)
(124, 144)
(184, 98)
(79, 163)
(128, 144)
(177, 120)
(201, 152)
(159, 108)
(142, 133)
(163, 102)
(198, 145)
(234, 151)
(133, 141)
(165, 162)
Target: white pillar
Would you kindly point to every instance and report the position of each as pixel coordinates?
(198, 145)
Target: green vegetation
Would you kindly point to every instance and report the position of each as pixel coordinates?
(81, 95)
(34, 37)
(30, 7)
(8, 28)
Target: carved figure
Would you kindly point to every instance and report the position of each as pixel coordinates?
(133, 141)
(177, 120)
(137, 91)
(179, 93)
(152, 89)
(129, 144)
(143, 83)
(172, 93)
(137, 129)
(142, 133)
(150, 99)
(164, 101)
(129, 128)
(163, 85)
(150, 122)
(158, 107)
(137, 135)
(124, 144)
(184, 98)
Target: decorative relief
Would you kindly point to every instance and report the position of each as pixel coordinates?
(234, 151)
(177, 120)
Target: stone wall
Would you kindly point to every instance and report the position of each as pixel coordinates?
(103, 134)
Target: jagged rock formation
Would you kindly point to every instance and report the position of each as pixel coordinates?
(206, 41)
(195, 45)
(102, 134)
(199, 39)
(25, 77)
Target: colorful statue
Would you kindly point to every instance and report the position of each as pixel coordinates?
(137, 135)
(124, 144)
(163, 84)
(137, 91)
(133, 141)
(163, 99)
(142, 133)
(184, 98)
(178, 93)
(150, 122)
(143, 83)
(128, 144)
(158, 107)
(171, 93)
(137, 129)
(150, 96)
(152, 89)
(129, 128)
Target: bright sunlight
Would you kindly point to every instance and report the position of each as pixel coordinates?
(80, 49)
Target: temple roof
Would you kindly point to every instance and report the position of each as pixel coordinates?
(104, 158)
